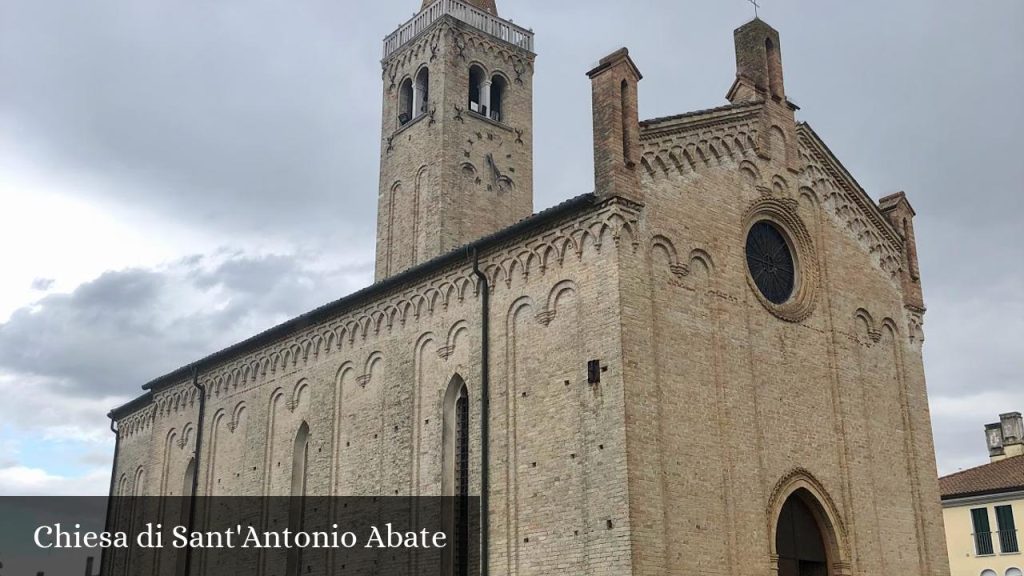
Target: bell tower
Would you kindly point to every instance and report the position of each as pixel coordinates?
(456, 134)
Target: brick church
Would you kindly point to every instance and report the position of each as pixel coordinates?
(709, 365)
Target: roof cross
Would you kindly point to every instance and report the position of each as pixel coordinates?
(756, 6)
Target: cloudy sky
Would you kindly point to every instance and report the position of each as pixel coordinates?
(175, 176)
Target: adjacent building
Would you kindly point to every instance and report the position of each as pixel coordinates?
(983, 506)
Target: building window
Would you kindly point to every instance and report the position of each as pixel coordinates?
(989, 573)
(185, 512)
(982, 533)
(405, 102)
(478, 86)
(455, 460)
(1013, 572)
(774, 68)
(462, 482)
(770, 262)
(1007, 530)
(627, 154)
(297, 508)
(498, 88)
(462, 445)
(421, 93)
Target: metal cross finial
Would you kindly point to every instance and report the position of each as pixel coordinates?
(756, 6)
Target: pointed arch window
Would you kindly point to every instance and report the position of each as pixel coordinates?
(421, 92)
(455, 460)
(462, 444)
(300, 456)
(499, 87)
(462, 482)
(185, 512)
(297, 508)
(405, 99)
(135, 514)
(478, 89)
(190, 474)
(774, 68)
(455, 454)
(624, 116)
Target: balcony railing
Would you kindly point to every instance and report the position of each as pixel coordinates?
(1008, 542)
(492, 25)
(983, 544)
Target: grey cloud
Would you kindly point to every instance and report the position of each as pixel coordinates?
(42, 284)
(229, 115)
(95, 458)
(246, 275)
(113, 334)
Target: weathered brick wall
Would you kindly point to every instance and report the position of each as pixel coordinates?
(370, 387)
(753, 399)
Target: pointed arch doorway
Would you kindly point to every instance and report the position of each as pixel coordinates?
(799, 541)
(807, 536)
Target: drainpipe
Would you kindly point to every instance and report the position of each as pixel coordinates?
(195, 460)
(105, 555)
(485, 411)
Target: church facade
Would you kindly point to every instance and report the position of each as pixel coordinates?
(711, 364)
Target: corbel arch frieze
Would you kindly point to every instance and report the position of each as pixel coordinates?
(845, 203)
(662, 251)
(688, 150)
(867, 331)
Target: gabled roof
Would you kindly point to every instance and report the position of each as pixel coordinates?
(1002, 476)
(858, 194)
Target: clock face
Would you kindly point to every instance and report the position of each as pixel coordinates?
(770, 262)
(486, 165)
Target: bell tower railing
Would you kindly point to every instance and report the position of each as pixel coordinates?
(490, 24)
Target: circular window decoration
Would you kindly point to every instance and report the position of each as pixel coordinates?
(781, 264)
(770, 262)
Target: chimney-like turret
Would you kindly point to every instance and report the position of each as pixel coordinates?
(759, 78)
(1005, 438)
(758, 64)
(901, 214)
(616, 126)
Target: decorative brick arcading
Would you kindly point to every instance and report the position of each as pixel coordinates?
(845, 201)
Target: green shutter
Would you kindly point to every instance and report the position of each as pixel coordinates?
(982, 532)
(1007, 530)
(1004, 517)
(980, 518)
